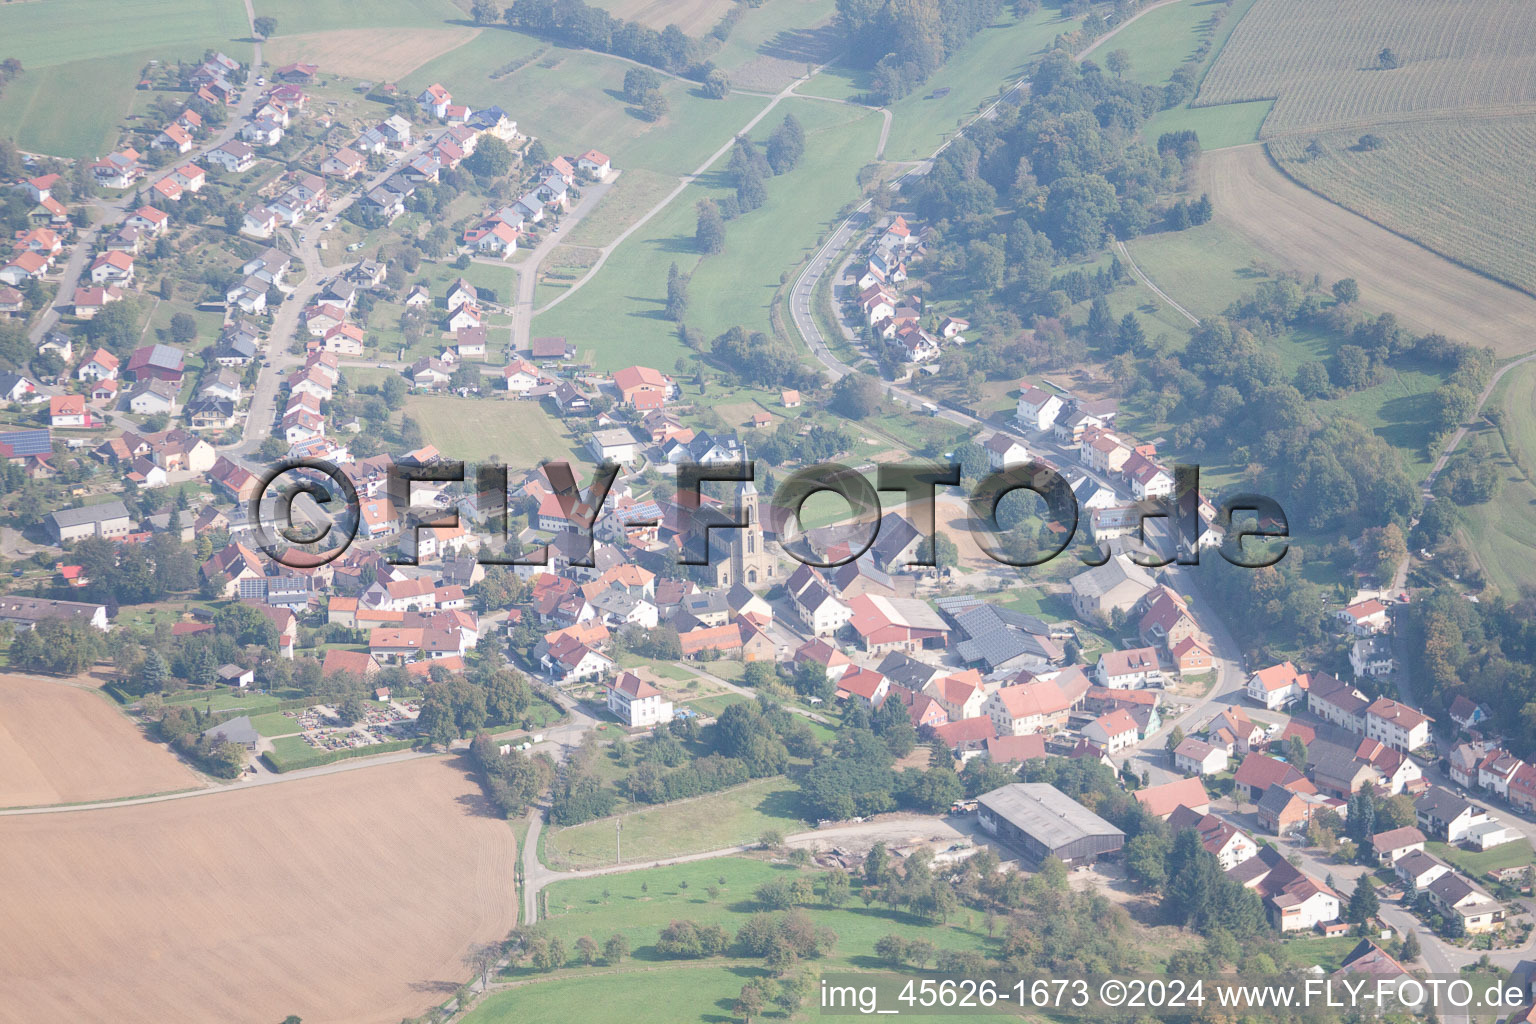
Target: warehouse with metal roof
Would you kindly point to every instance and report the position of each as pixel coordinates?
(1042, 821)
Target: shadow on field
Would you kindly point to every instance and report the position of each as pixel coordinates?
(812, 45)
(474, 803)
(435, 987)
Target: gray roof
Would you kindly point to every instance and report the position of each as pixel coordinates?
(1417, 862)
(894, 536)
(1442, 803)
(1258, 866)
(996, 636)
(845, 575)
(1046, 813)
(87, 514)
(1453, 888)
(706, 602)
(909, 672)
(1331, 761)
(236, 730)
(34, 609)
(1102, 579)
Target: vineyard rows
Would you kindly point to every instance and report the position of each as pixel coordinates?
(1459, 187)
(1318, 59)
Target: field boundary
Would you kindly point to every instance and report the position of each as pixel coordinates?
(1278, 166)
(324, 757)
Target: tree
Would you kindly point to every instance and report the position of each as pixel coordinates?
(1388, 548)
(1387, 60)
(1131, 336)
(1312, 379)
(183, 328)
(154, 673)
(615, 949)
(709, 236)
(654, 106)
(1360, 821)
(265, 26)
(892, 949)
(640, 83)
(393, 390)
(484, 12)
(1346, 290)
(1411, 950)
(946, 553)
(491, 158)
(677, 294)
(856, 395)
(1118, 62)
(1101, 322)
(786, 145)
(717, 85)
(751, 1001)
(835, 887)
(1365, 903)
(1175, 738)
(586, 949)
(1296, 753)
(482, 959)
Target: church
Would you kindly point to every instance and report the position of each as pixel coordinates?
(746, 559)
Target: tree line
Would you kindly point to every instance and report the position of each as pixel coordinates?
(904, 42)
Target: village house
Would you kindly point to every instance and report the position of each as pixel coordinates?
(1113, 732)
(1129, 670)
(1164, 800)
(1396, 724)
(1037, 409)
(1278, 686)
(1197, 757)
(637, 703)
(1392, 846)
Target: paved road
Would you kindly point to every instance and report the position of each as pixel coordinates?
(110, 212)
(285, 322)
(683, 183)
(528, 268)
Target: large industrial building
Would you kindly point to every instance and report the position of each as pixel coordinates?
(1042, 821)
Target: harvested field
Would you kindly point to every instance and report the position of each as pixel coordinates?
(694, 17)
(347, 898)
(376, 54)
(1301, 230)
(64, 744)
(1476, 209)
(1318, 60)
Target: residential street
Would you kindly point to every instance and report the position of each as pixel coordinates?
(109, 213)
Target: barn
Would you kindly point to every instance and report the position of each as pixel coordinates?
(1042, 821)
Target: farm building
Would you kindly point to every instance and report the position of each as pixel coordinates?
(1044, 822)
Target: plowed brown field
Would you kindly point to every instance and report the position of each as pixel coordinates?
(1300, 230)
(64, 744)
(346, 898)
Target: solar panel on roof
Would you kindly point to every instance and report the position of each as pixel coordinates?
(28, 442)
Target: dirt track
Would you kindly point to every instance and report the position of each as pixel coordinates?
(1302, 231)
(349, 898)
(61, 743)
